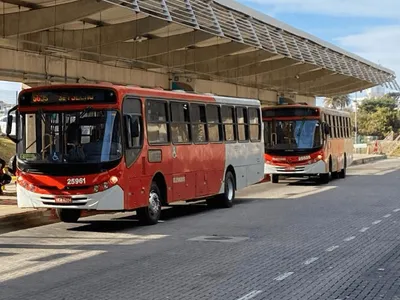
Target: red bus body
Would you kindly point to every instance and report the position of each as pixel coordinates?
(189, 167)
(302, 140)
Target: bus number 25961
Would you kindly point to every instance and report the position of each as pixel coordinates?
(72, 181)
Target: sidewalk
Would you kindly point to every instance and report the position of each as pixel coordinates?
(14, 218)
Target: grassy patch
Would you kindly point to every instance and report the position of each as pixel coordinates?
(7, 148)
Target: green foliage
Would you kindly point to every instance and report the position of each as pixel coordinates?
(378, 116)
(372, 105)
(337, 101)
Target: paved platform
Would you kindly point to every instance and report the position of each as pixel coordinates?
(12, 217)
(292, 240)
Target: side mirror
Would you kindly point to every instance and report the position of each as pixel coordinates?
(327, 129)
(135, 128)
(9, 124)
(128, 133)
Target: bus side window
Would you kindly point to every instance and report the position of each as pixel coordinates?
(157, 122)
(255, 124)
(214, 123)
(229, 124)
(180, 124)
(198, 119)
(242, 121)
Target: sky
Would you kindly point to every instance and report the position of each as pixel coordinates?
(369, 28)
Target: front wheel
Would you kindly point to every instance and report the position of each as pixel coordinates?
(275, 178)
(68, 215)
(151, 214)
(324, 178)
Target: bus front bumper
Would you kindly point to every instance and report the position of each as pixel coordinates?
(110, 199)
(309, 169)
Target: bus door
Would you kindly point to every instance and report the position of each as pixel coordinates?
(133, 130)
(183, 156)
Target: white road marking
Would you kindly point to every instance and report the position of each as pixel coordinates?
(376, 222)
(283, 276)
(387, 216)
(250, 295)
(25, 262)
(364, 229)
(330, 249)
(396, 210)
(349, 238)
(311, 260)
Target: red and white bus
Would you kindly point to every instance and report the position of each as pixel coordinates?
(302, 140)
(117, 148)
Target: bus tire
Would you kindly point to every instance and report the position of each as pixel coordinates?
(275, 178)
(226, 199)
(68, 215)
(324, 178)
(342, 173)
(151, 214)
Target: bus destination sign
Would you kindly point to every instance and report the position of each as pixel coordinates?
(44, 98)
(68, 96)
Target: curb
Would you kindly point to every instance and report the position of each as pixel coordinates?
(23, 220)
(368, 160)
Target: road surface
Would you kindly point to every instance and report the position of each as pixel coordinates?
(293, 240)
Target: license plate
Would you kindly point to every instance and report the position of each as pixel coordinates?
(290, 168)
(63, 199)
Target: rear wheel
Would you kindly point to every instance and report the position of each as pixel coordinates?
(151, 214)
(68, 215)
(275, 178)
(225, 200)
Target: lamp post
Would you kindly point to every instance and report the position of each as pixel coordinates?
(355, 122)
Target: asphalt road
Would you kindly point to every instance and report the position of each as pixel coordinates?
(293, 240)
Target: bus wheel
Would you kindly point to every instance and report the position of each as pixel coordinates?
(342, 173)
(68, 215)
(324, 178)
(151, 214)
(226, 199)
(275, 178)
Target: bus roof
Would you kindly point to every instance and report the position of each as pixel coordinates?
(330, 111)
(155, 92)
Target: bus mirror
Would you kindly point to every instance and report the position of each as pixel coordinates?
(9, 124)
(326, 129)
(135, 128)
(128, 131)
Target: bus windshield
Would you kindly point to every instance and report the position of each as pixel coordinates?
(87, 136)
(292, 135)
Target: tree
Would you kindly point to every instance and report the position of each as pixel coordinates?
(377, 116)
(337, 102)
(372, 105)
(394, 95)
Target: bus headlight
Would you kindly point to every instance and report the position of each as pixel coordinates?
(113, 180)
(96, 188)
(105, 185)
(319, 157)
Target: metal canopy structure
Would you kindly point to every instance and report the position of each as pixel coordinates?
(218, 40)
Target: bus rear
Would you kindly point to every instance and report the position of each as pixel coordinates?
(299, 141)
